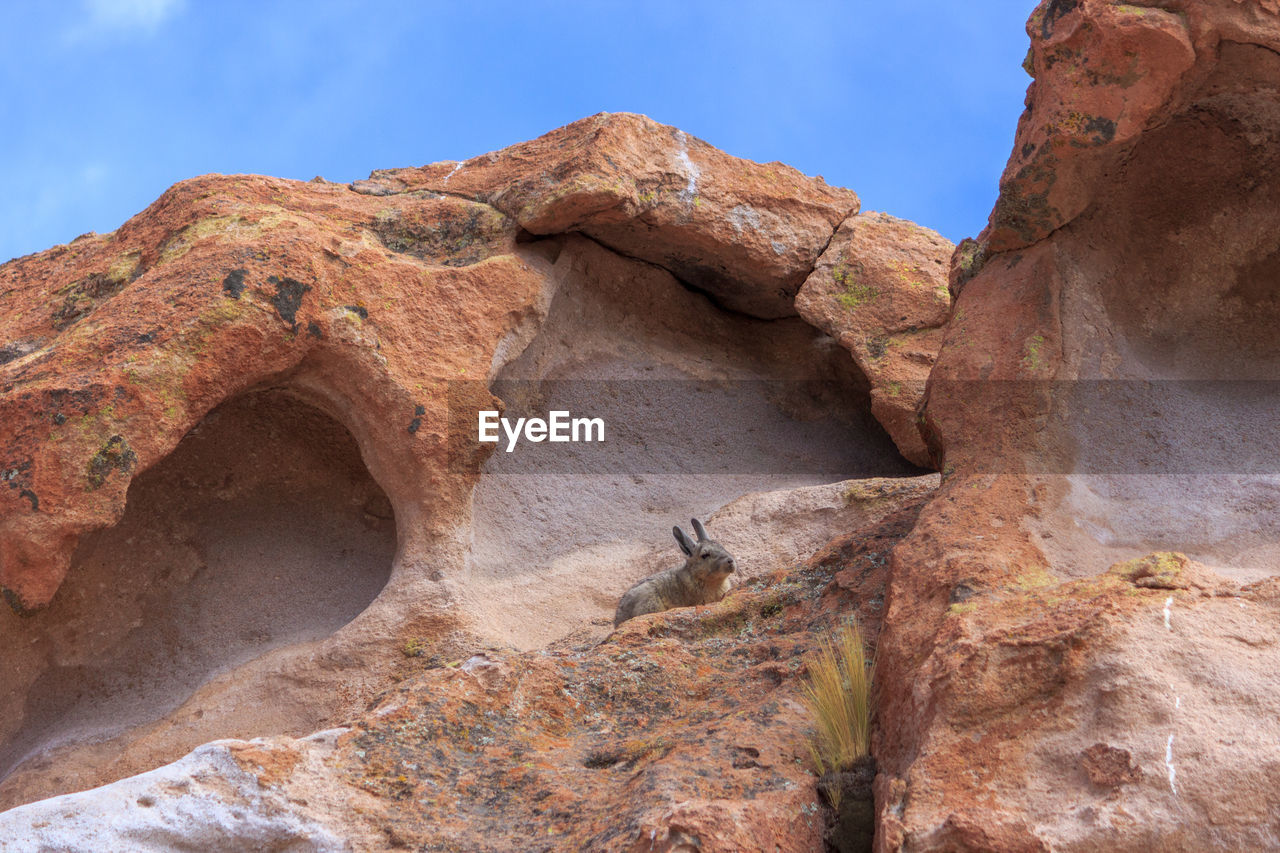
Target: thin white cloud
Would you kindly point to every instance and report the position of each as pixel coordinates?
(94, 174)
(125, 16)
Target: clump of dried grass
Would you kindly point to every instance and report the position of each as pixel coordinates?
(838, 693)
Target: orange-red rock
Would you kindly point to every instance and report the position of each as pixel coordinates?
(683, 730)
(747, 233)
(301, 344)
(881, 290)
(222, 284)
(1054, 677)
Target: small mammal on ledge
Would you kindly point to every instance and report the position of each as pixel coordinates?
(703, 579)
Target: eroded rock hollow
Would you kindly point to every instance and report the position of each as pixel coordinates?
(235, 452)
(262, 530)
(703, 406)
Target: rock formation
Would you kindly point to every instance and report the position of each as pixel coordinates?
(685, 730)
(1075, 622)
(1056, 679)
(881, 291)
(221, 414)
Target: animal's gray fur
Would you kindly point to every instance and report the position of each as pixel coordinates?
(703, 579)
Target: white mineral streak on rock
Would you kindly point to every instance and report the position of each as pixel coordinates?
(690, 169)
(742, 217)
(458, 166)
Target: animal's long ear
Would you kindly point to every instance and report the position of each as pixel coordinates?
(699, 529)
(683, 538)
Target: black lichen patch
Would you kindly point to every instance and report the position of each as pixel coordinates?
(314, 330)
(15, 602)
(416, 423)
(1103, 129)
(359, 310)
(16, 350)
(233, 285)
(457, 234)
(288, 298)
(15, 474)
(82, 296)
(81, 400)
(1023, 205)
(15, 477)
(1057, 9)
(966, 262)
(115, 455)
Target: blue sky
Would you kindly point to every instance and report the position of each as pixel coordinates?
(105, 103)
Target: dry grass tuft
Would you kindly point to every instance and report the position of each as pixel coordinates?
(838, 692)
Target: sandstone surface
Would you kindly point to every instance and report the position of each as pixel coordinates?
(881, 290)
(1057, 676)
(1075, 633)
(683, 730)
(746, 233)
(240, 493)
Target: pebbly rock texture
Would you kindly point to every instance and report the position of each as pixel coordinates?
(683, 730)
(1079, 646)
(880, 289)
(235, 484)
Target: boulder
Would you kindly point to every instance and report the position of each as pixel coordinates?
(747, 233)
(880, 289)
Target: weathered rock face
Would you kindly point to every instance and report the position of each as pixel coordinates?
(259, 536)
(236, 282)
(683, 731)
(743, 232)
(227, 795)
(881, 290)
(1076, 634)
(1043, 689)
(703, 406)
(292, 359)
